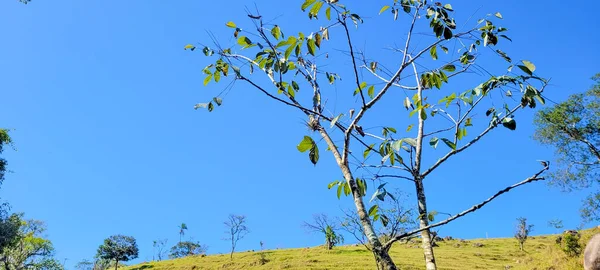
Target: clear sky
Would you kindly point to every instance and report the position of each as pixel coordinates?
(100, 95)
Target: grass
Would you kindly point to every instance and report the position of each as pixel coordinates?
(541, 253)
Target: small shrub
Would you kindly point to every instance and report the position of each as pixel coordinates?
(570, 244)
(478, 245)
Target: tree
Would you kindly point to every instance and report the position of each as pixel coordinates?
(572, 128)
(322, 224)
(159, 247)
(182, 229)
(522, 232)
(556, 224)
(31, 251)
(118, 248)
(187, 248)
(296, 70)
(84, 265)
(9, 224)
(236, 230)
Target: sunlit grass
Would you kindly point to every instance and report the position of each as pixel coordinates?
(540, 253)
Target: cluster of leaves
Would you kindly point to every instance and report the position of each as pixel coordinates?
(570, 243)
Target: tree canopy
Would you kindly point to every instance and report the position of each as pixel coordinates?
(572, 128)
(119, 248)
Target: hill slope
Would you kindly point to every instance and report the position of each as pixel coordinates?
(540, 253)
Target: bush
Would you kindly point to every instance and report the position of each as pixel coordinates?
(570, 243)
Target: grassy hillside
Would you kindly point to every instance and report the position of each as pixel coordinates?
(540, 253)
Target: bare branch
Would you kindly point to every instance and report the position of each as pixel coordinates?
(362, 95)
(473, 208)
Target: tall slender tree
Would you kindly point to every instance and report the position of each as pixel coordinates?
(296, 70)
(182, 229)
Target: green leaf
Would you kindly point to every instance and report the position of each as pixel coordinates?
(410, 141)
(307, 4)
(295, 85)
(447, 33)
(314, 11)
(384, 220)
(407, 103)
(509, 123)
(217, 76)
(218, 100)
(449, 68)
(244, 41)
(368, 150)
(328, 13)
(373, 210)
(433, 52)
(529, 65)
(444, 49)
(276, 32)
(383, 9)
(200, 105)
(335, 119)
(498, 15)
(231, 25)
(311, 46)
(210, 107)
(313, 155)
(448, 7)
(305, 144)
(525, 69)
(207, 79)
(339, 190)
(468, 122)
(371, 91)
(409, 128)
(190, 47)
(330, 185)
(449, 143)
(434, 142)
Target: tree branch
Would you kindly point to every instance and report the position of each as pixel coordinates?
(473, 208)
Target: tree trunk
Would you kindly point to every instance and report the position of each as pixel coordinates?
(382, 257)
(424, 222)
(116, 264)
(521, 246)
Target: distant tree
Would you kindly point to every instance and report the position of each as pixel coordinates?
(396, 219)
(556, 224)
(159, 248)
(84, 265)
(182, 229)
(236, 230)
(187, 248)
(25, 1)
(305, 71)
(522, 232)
(323, 225)
(31, 251)
(572, 128)
(9, 223)
(118, 248)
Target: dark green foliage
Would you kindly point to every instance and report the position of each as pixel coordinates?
(572, 128)
(9, 230)
(5, 140)
(118, 248)
(31, 250)
(187, 248)
(570, 243)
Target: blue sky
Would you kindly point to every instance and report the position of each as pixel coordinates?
(100, 95)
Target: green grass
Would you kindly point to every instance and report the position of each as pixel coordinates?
(540, 253)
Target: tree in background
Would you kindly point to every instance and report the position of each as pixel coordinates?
(522, 232)
(297, 70)
(31, 251)
(236, 230)
(118, 248)
(84, 265)
(9, 223)
(396, 219)
(182, 229)
(556, 224)
(572, 128)
(159, 248)
(187, 248)
(322, 224)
